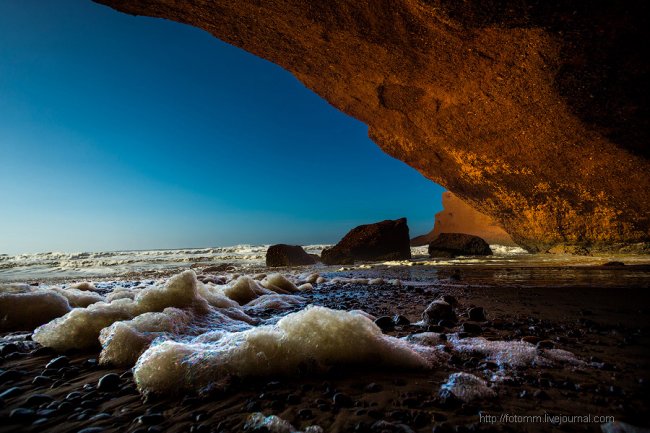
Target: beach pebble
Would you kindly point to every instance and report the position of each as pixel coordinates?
(92, 430)
(342, 400)
(41, 380)
(11, 392)
(451, 300)
(373, 387)
(438, 311)
(108, 382)
(400, 320)
(471, 328)
(385, 323)
(22, 414)
(57, 363)
(38, 399)
(8, 349)
(151, 419)
(9, 375)
(386, 426)
(477, 314)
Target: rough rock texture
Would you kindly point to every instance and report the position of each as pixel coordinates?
(385, 240)
(532, 112)
(458, 217)
(458, 244)
(287, 255)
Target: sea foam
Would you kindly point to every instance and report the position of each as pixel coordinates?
(310, 339)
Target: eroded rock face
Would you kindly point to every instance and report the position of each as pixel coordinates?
(458, 217)
(385, 240)
(534, 113)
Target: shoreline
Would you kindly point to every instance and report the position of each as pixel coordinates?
(604, 327)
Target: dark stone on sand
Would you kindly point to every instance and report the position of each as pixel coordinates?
(545, 344)
(541, 395)
(8, 349)
(11, 392)
(531, 339)
(92, 430)
(385, 240)
(342, 400)
(45, 412)
(438, 311)
(9, 375)
(287, 255)
(471, 328)
(74, 395)
(451, 300)
(108, 382)
(458, 244)
(58, 362)
(41, 380)
(373, 387)
(22, 414)
(385, 323)
(477, 314)
(386, 426)
(38, 399)
(100, 416)
(400, 320)
(293, 399)
(151, 419)
(65, 406)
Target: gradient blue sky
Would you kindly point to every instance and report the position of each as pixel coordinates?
(121, 132)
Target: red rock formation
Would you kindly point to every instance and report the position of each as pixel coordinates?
(532, 112)
(458, 217)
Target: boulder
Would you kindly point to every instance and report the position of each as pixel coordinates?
(385, 240)
(287, 255)
(458, 244)
(437, 311)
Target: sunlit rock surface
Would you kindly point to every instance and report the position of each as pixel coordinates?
(458, 217)
(533, 113)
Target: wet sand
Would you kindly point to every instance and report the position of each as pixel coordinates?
(608, 327)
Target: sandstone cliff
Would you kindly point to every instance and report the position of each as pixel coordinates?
(532, 112)
(458, 217)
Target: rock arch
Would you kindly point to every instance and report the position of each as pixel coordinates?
(533, 112)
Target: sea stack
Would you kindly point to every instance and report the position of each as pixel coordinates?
(385, 240)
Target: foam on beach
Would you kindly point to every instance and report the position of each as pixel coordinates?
(514, 354)
(80, 328)
(310, 339)
(466, 387)
(27, 310)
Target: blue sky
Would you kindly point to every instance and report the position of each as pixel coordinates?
(121, 132)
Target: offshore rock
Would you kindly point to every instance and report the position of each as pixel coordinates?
(458, 244)
(385, 240)
(287, 255)
(534, 113)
